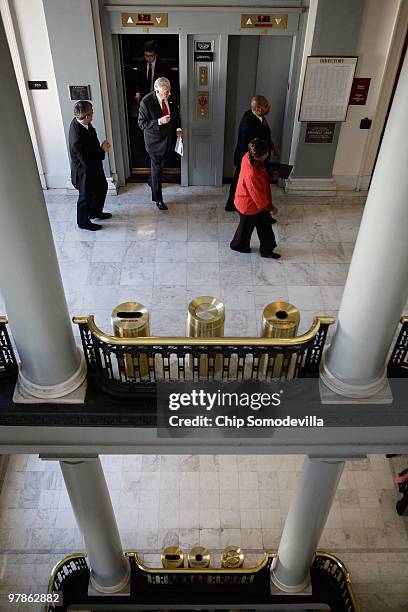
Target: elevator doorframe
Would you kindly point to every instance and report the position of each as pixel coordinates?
(129, 171)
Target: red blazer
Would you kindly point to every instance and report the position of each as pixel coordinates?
(253, 192)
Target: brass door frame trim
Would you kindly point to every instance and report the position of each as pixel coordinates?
(147, 170)
(89, 320)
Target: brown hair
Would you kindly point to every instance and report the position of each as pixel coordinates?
(256, 148)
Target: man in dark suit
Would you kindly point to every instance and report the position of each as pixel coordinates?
(159, 119)
(149, 68)
(87, 173)
(253, 125)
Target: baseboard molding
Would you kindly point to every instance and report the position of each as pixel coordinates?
(311, 186)
(352, 182)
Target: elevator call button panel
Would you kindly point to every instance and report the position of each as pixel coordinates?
(276, 20)
(151, 20)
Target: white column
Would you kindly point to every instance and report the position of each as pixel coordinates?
(305, 522)
(377, 285)
(92, 506)
(29, 274)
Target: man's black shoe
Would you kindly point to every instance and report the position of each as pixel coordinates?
(93, 227)
(240, 250)
(161, 206)
(271, 255)
(102, 216)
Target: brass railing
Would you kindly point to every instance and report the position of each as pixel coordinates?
(398, 363)
(331, 584)
(122, 366)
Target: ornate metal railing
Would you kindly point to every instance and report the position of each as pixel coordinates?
(205, 587)
(8, 362)
(398, 363)
(122, 366)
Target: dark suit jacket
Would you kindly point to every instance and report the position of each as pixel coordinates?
(158, 138)
(141, 84)
(250, 127)
(86, 155)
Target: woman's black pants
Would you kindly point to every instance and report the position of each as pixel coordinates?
(247, 223)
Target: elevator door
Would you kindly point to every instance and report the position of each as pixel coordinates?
(256, 65)
(131, 50)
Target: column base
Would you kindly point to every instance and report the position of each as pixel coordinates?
(305, 588)
(355, 392)
(28, 392)
(122, 588)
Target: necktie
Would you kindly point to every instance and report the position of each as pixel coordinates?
(149, 77)
(164, 107)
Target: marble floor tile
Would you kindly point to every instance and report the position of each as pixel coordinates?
(241, 323)
(141, 231)
(238, 297)
(331, 273)
(172, 231)
(167, 322)
(328, 252)
(306, 298)
(171, 252)
(202, 231)
(171, 274)
(104, 274)
(296, 252)
(231, 275)
(137, 274)
(199, 274)
(268, 272)
(108, 252)
(75, 252)
(204, 251)
(170, 296)
(139, 251)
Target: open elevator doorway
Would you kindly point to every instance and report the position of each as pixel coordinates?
(257, 65)
(131, 52)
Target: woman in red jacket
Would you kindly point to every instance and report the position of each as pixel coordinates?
(253, 200)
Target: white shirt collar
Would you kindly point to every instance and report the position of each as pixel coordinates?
(257, 116)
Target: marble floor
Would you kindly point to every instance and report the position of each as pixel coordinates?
(164, 260)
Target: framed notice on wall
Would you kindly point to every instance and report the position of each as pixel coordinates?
(326, 88)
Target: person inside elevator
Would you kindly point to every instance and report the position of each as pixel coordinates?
(253, 200)
(87, 174)
(253, 124)
(149, 68)
(159, 118)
